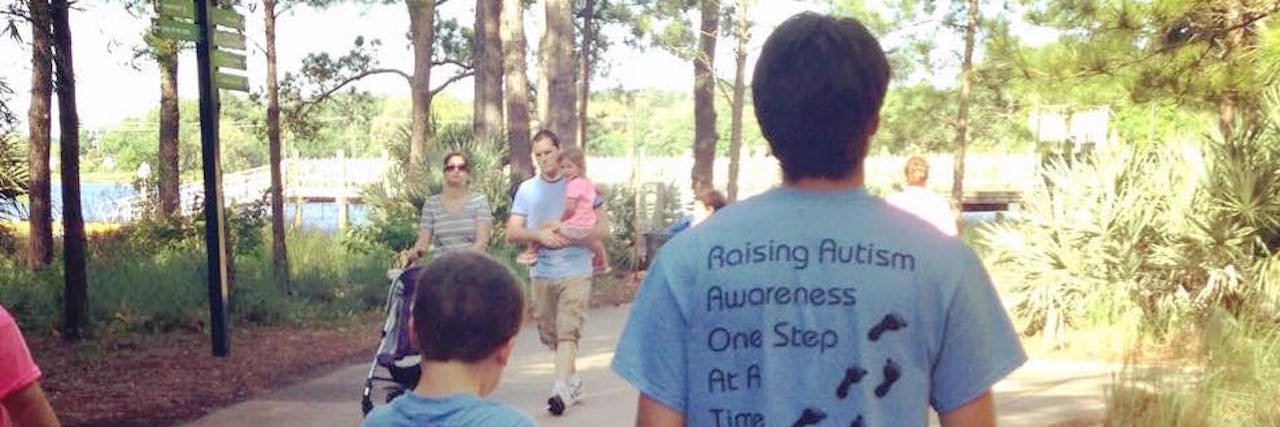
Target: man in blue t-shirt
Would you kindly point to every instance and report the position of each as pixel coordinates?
(817, 303)
(561, 277)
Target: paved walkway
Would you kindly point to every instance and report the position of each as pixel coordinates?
(1040, 394)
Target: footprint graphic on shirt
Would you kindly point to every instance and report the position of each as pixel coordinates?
(809, 417)
(858, 422)
(891, 374)
(851, 376)
(891, 322)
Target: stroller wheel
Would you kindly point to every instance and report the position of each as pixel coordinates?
(366, 405)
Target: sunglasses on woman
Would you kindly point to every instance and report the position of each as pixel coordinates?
(456, 167)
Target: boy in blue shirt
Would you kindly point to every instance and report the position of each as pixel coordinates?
(817, 303)
(467, 309)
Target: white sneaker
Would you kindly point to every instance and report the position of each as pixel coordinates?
(575, 388)
(561, 398)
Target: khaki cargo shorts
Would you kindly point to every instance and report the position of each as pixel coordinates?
(560, 308)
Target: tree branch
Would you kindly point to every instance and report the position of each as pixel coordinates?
(286, 9)
(726, 89)
(909, 26)
(18, 13)
(1252, 19)
(306, 105)
(451, 61)
(451, 80)
(257, 45)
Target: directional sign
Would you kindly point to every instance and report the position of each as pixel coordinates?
(223, 59)
(231, 82)
(178, 9)
(228, 40)
(227, 18)
(176, 30)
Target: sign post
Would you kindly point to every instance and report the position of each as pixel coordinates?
(214, 215)
(196, 20)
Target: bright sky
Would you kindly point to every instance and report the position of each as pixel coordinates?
(113, 86)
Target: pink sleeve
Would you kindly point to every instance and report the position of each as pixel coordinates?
(17, 369)
(580, 189)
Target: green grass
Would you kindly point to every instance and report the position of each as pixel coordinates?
(1233, 382)
(142, 284)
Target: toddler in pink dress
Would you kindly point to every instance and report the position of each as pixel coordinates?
(579, 216)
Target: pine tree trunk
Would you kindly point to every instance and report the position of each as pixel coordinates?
(517, 89)
(279, 250)
(169, 191)
(1227, 105)
(40, 239)
(584, 71)
(540, 92)
(487, 57)
(422, 34)
(75, 314)
(557, 52)
(1227, 115)
(739, 93)
(704, 92)
(962, 117)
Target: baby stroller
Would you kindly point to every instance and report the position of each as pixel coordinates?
(395, 353)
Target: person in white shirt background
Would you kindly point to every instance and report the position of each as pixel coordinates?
(923, 202)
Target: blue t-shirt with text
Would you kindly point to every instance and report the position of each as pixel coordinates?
(541, 201)
(795, 307)
(460, 410)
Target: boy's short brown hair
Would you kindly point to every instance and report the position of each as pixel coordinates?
(465, 307)
(817, 89)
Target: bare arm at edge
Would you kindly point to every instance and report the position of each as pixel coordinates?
(483, 231)
(980, 412)
(650, 413)
(28, 407)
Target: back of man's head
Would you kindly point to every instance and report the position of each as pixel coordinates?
(713, 199)
(465, 308)
(817, 88)
(916, 171)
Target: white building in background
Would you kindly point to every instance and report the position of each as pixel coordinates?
(1080, 126)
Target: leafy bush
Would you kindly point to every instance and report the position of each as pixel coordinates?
(659, 205)
(150, 277)
(396, 204)
(1169, 234)
(33, 297)
(13, 173)
(13, 185)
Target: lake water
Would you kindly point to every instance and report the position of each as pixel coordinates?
(96, 199)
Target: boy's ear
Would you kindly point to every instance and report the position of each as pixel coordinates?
(504, 353)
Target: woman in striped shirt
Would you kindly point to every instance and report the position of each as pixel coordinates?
(457, 218)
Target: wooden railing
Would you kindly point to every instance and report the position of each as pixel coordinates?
(336, 179)
(990, 180)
